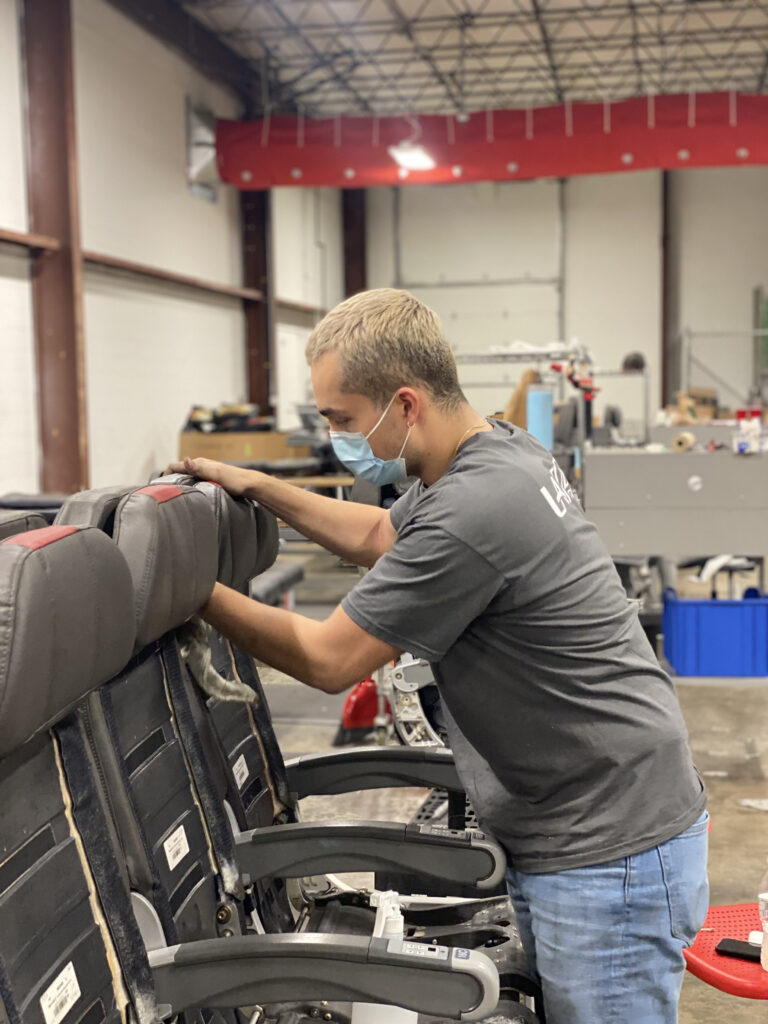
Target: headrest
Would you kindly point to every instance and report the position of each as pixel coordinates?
(66, 625)
(14, 521)
(92, 508)
(248, 534)
(169, 539)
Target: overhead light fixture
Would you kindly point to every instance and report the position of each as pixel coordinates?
(411, 157)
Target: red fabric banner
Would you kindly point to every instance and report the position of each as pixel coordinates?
(670, 132)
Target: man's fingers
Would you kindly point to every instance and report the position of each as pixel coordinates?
(173, 467)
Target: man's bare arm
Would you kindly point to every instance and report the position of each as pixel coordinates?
(330, 656)
(358, 533)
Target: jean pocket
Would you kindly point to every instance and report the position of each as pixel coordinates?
(684, 865)
(700, 825)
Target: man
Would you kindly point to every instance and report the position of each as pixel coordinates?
(567, 733)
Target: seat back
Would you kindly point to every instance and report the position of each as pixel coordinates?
(241, 737)
(13, 521)
(238, 742)
(179, 854)
(69, 949)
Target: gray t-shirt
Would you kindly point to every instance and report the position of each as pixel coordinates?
(567, 733)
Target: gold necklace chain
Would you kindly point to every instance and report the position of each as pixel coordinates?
(476, 426)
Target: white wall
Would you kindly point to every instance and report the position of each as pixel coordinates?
(307, 246)
(613, 269)
(613, 280)
(151, 351)
(130, 92)
(13, 189)
(459, 248)
(308, 267)
(150, 356)
(18, 402)
(721, 226)
(468, 241)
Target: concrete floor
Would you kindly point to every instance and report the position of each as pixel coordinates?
(728, 725)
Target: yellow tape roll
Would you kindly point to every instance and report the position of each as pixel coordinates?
(684, 441)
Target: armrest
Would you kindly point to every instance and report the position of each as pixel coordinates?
(458, 983)
(347, 771)
(293, 851)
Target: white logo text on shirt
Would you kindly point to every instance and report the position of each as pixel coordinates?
(563, 492)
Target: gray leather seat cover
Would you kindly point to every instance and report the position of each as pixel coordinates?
(14, 521)
(92, 508)
(59, 588)
(248, 533)
(169, 539)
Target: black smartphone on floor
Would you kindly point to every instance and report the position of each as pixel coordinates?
(739, 949)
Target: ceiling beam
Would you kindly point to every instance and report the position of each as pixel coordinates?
(335, 74)
(763, 76)
(452, 91)
(171, 24)
(546, 42)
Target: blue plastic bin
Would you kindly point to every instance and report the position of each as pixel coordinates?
(716, 638)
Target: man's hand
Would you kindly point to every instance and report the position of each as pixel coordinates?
(232, 478)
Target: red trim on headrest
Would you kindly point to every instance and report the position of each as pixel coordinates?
(161, 492)
(35, 539)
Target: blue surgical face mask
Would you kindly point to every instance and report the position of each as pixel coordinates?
(354, 452)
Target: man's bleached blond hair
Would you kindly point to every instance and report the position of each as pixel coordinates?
(387, 339)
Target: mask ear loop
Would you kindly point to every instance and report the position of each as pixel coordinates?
(405, 442)
(378, 422)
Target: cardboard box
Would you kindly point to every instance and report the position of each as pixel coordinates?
(704, 396)
(236, 446)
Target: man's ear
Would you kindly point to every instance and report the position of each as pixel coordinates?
(411, 401)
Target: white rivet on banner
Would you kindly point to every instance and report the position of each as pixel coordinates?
(456, 171)
(512, 167)
(742, 152)
(627, 158)
(683, 154)
(349, 172)
(246, 175)
(296, 172)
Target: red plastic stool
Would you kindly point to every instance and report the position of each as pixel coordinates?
(737, 977)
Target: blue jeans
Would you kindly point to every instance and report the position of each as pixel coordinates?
(607, 940)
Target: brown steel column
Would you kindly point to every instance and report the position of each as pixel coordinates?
(57, 279)
(353, 220)
(670, 303)
(257, 273)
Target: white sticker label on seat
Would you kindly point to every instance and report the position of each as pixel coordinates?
(176, 847)
(240, 771)
(60, 996)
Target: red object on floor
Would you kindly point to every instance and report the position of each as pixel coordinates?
(737, 977)
(361, 706)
